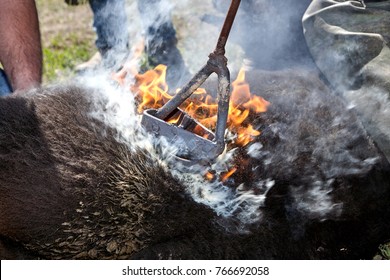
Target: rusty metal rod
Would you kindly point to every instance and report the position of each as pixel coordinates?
(184, 93)
(227, 26)
(206, 70)
(223, 107)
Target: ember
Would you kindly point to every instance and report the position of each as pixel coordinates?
(227, 175)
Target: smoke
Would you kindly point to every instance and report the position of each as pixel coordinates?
(330, 134)
(310, 138)
(115, 106)
(317, 202)
(237, 203)
(311, 143)
(275, 28)
(155, 14)
(349, 43)
(373, 104)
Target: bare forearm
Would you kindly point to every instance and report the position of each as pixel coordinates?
(20, 45)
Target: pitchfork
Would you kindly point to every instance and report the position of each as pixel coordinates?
(193, 148)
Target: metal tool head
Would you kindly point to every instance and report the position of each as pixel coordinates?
(194, 142)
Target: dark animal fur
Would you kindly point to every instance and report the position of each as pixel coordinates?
(69, 189)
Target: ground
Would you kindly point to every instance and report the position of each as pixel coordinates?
(67, 37)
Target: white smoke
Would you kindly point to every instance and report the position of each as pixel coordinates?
(329, 150)
(120, 112)
(316, 202)
(373, 104)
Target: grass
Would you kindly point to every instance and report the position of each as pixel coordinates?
(67, 37)
(62, 55)
(383, 252)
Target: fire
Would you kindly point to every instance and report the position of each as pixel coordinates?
(246, 135)
(152, 88)
(209, 176)
(241, 96)
(242, 104)
(174, 120)
(152, 92)
(228, 174)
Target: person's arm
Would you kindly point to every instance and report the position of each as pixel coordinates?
(20, 43)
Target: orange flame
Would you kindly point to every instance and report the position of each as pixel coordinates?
(152, 92)
(152, 88)
(174, 120)
(241, 105)
(209, 176)
(228, 174)
(241, 95)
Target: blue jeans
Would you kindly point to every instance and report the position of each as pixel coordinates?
(159, 31)
(110, 23)
(161, 40)
(5, 87)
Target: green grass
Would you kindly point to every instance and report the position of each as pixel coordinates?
(62, 54)
(384, 250)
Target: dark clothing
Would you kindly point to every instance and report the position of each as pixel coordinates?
(5, 87)
(110, 23)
